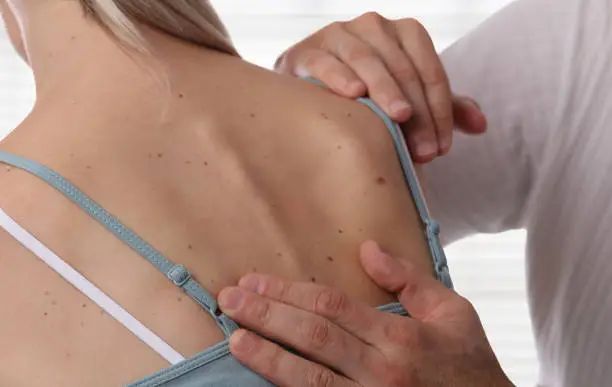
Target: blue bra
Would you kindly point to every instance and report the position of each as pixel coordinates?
(216, 366)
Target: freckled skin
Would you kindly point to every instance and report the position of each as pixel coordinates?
(282, 178)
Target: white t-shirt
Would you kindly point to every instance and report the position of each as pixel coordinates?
(542, 72)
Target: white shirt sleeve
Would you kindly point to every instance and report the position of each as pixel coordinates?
(511, 65)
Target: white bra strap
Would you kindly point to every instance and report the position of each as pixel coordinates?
(90, 290)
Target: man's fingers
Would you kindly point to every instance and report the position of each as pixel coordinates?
(468, 116)
(371, 69)
(359, 319)
(323, 66)
(310, 334)
(279, 365)
(418, 291)
(380, 34)
(418, 46)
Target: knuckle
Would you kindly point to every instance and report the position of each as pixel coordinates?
(379, 365)
(412, 86)
(435, 76)
(310, 59)
(329, 302)
(442, 112)
(333, 28)
(399, 377)
(371, 18)
(411, 289)
(316, 334)
(405, 72)
(296, 56)
(401, 335)
(260, 311)
(272, 363)
(464, 306)
(290, 54)
(413, 24)
(359, 52)
(319, 377)
(283, 291)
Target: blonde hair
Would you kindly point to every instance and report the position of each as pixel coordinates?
(194, 21)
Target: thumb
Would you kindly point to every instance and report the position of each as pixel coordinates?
(417, 291)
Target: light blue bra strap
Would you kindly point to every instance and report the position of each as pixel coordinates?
(432, 228)
(178, 274)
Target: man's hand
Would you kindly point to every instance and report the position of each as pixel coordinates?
(396, 64)
(346, 343)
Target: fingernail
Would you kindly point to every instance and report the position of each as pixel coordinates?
(384, 260)
(231, 299)
(426, 149)
(250, 282)
(399, 108)
(242, 341)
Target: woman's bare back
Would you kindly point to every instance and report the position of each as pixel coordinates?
(244, 171)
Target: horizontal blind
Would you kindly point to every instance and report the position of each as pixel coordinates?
(488, 270)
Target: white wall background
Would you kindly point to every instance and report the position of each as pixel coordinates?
(489, 270)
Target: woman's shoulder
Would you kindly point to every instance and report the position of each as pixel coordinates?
(309, 113)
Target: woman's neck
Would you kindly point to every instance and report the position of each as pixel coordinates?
(94, 94)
